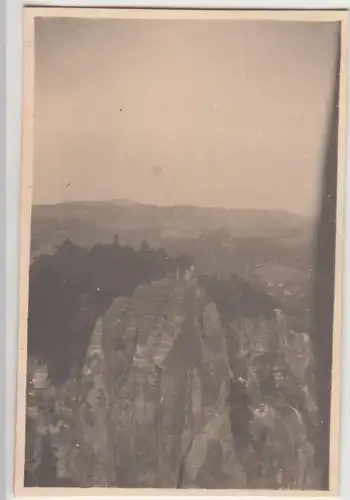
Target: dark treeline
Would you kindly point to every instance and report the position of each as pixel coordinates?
(69, 290)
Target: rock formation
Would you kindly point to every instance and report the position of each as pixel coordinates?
(176, 397)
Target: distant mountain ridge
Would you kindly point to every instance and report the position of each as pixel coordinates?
(126, 202)
(126, 213)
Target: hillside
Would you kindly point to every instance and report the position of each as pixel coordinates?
(91, 222)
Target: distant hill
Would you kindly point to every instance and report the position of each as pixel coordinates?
(125, 214)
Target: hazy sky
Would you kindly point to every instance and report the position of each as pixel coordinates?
(212, 113)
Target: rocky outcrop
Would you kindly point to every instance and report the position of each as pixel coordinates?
(171, 395)
(273, 378)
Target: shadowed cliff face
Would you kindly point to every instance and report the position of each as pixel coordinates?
(175, 392)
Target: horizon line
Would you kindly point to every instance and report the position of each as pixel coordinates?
(130, 202)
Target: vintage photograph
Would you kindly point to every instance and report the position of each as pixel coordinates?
(181, 251)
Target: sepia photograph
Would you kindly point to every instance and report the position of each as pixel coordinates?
(181, 251)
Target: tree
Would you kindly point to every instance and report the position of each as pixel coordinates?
(144, 246)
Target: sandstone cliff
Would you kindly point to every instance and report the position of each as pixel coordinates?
(174, 395)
